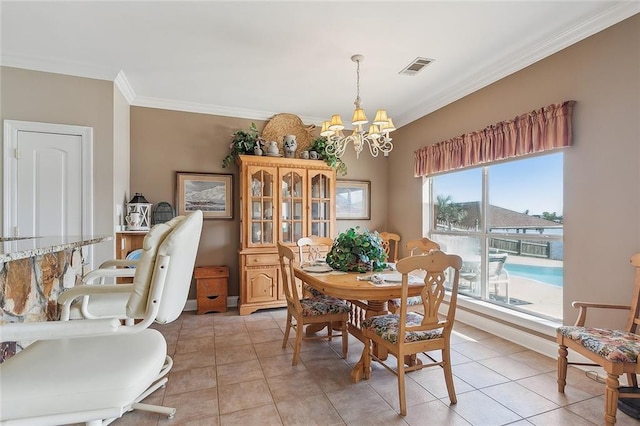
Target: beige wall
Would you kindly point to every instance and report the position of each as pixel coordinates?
(164, 142)
(602, 169)
(61, 99)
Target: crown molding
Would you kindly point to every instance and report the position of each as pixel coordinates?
(509, 65)
(127, 91)
(55, 66)
(201, 108)
(226, 111)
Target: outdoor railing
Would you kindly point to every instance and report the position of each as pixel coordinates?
(521, 247)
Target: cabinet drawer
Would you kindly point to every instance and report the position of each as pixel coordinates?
(262, 259)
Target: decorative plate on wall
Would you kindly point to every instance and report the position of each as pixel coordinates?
(288, 124)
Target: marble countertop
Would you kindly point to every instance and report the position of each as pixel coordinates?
(21, 248)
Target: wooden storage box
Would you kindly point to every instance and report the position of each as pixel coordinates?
(211, 282)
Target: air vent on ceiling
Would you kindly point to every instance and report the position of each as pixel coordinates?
(416, 66)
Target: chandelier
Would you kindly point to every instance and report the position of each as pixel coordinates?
(376, 138)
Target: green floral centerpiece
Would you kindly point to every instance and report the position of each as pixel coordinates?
(319, 145)
(357, 251)
(243, 142)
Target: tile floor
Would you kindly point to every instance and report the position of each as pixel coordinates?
(231, 370)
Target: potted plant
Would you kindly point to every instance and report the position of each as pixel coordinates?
(357, 251)
(319, 145)
(243, 142)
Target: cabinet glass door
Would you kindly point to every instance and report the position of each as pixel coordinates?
(262, 206)
(321, 206)
(291, 205)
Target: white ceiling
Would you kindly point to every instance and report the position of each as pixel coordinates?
(256, 59)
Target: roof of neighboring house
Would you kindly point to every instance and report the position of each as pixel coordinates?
(501, 218)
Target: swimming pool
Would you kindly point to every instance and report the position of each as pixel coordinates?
(552, 275)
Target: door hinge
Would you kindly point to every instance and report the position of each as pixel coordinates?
(16, 153)
(16, 231)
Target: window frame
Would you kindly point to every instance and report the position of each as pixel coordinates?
(483, 235)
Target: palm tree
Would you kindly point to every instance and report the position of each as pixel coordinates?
(552, 217)
(449, 212)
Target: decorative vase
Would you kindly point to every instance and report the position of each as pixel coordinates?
(257, 151)
(273, 149)
(290, 144)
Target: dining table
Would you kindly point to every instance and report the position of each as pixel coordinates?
(367, 297)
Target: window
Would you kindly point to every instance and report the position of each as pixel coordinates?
(505, 221)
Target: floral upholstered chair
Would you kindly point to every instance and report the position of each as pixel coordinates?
(406, 334)
(314, 310)
(310, 250)
(616, 351)
(415, 247)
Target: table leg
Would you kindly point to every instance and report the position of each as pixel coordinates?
(373, 308)
(357, 372)
(412, 360)
(314, 328)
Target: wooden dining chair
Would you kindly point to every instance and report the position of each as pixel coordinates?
(390, 242)
(616, 351)
(310, 250)
(415, 247)
(316, 248)
(421, 246)
(410, 333)
(315, 310)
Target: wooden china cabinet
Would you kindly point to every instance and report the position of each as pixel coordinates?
(281, 199)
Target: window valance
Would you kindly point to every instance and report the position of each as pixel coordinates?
(540, 130)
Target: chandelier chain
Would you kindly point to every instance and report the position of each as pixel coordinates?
(358, 100)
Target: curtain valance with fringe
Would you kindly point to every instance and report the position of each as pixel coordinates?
(540, 130)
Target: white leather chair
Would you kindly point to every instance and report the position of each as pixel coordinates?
(95, 370)
(111, 302)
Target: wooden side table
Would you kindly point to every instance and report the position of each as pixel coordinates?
(126, 242)
(211, 282)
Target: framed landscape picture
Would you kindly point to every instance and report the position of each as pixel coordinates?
(210, 192)
(353, 199)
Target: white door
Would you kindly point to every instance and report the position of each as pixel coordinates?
(47, 179)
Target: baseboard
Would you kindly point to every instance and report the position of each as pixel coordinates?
(540, 339)
(192, 304)
(533, 341)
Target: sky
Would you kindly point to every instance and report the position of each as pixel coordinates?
(533, 184)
